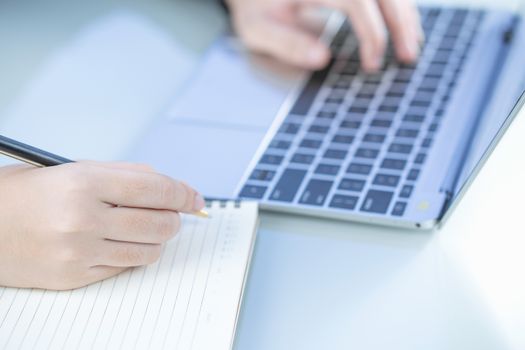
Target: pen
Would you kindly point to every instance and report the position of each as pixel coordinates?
(41, 158)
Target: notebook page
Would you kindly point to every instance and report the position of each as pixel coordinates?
(189, 299)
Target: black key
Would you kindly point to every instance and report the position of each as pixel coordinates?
(383, 108)
(288, 185)
(316, 192)
(410, 133)
(377, 202)
(280, 144)
(386, 180)
(335, 154)
(361, 102)
(400, 148)
(271, 159)
(413, 175)
(350, 124)
(356, 109)
(358, 168)
(391, 101)
(427, 142)
(326, 115)
(308, 143)
(367, 153)
(433, 127)
(381, 123)
(428, 83)
(394, 164)
(345, 139)
(301, 158)
(309, 92)
(320, 129)
(420, 158)
(420, 103)
(375, 138)
(352, 185)
(406, 191)
(251, 191)
(290, 128)
(399, 88)
(262, 175)
(399, 209)
(414, 118)
(331, 99)
(344, 202)
(327, 169)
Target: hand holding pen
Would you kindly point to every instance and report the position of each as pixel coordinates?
(67, 226)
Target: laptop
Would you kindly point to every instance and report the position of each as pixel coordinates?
(395, 148)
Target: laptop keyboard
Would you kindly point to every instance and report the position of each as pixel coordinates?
(356, 142)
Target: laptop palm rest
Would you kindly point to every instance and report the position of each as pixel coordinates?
(214, 128)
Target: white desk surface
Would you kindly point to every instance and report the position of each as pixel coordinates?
(317, 284)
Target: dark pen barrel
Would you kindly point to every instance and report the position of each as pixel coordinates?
(30, 154)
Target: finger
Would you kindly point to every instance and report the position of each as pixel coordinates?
(287, 43)
(125, 254)
(368, 26)
(147, 190)
(141, 225)
(402, 19)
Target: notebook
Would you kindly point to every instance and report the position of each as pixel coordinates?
(189, 299)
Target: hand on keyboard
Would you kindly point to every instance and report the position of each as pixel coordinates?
(274, 27)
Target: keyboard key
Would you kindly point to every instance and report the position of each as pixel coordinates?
(410, 133)
(399, 209)
(327, 169)
(352, 185)
(414, 118)
(271, 159)
(427, 142)
(288, 185)
(393, 164)
(350, 124)
(335, 154)
(381, 123)
(262, 175)
(290, 128)
(280, 144)
(374, 138)
(308, 94)
(326, 115)
(320, 129)
(344, 202)
(400, 148)
(383, 108)
(386, 180)
(406, 191)
(413, 175)
(251, 191)
(309, 143)
(301, 158)
(367, 153)
(358, 168)
(345, 139)
(377, 202)
(420, 158)
(316, 192)
(356, 109)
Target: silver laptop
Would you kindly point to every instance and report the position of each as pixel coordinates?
(395, 148)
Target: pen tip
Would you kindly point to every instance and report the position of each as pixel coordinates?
(202, 214)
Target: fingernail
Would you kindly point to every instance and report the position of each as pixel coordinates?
(412, 49)
(316, 56)
(198, 203)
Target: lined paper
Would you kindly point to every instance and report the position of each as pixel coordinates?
(189, 299)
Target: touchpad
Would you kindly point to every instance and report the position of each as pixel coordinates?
(235, 88)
